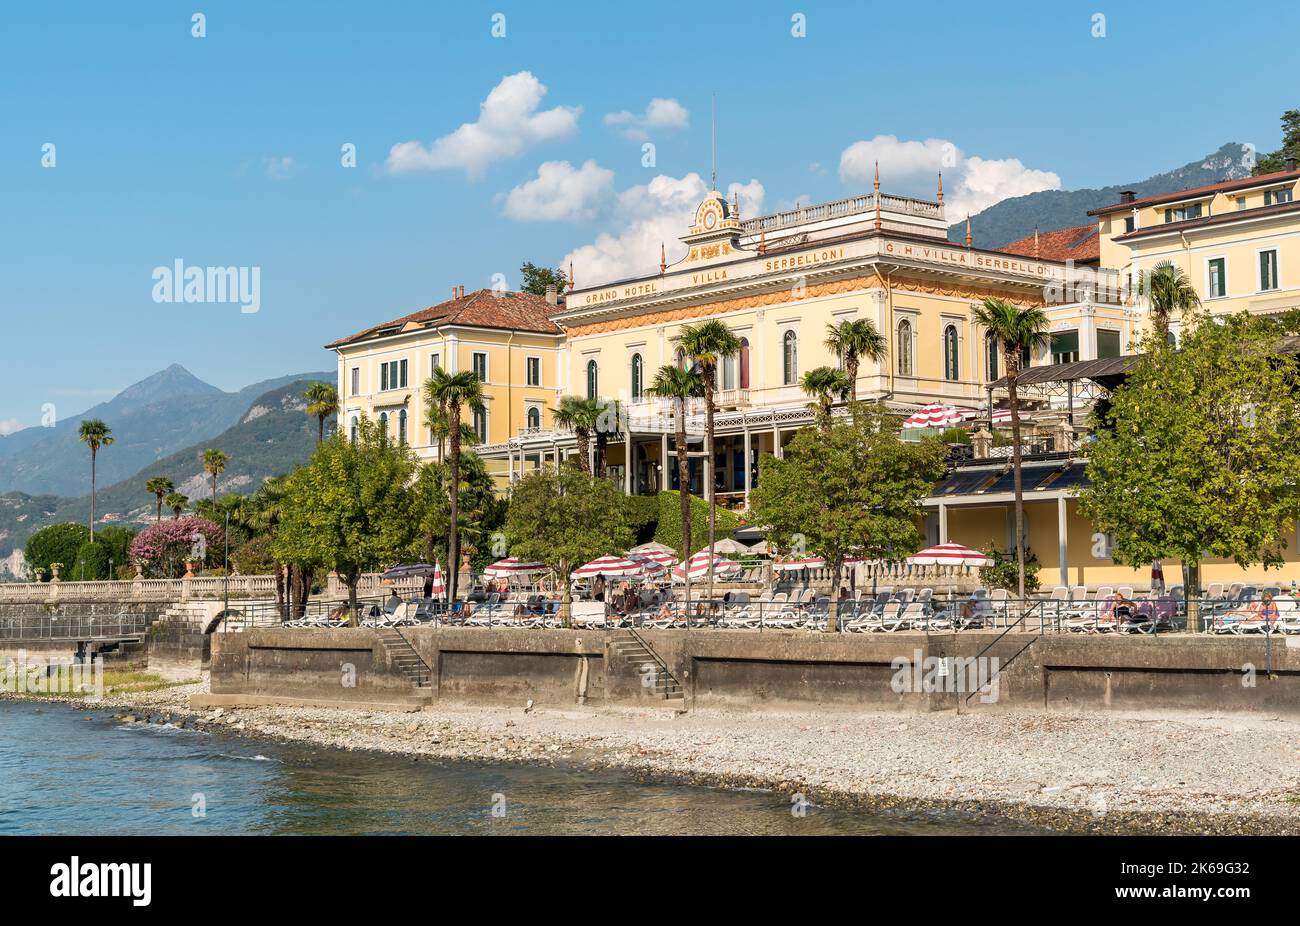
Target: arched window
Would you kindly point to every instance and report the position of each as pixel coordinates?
(950, 365)
(790, 358)
(401, 427)
(990, 356)
(354, 428)
(383, 426)
(480, 424)
(743, 358)
(638, 378)
(592, 380)
(904, 348)
(534, 417)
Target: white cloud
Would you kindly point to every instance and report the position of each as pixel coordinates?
(646, 216)
(508, 123)
(561, 194)
(662, 114)
(9, 426)
(281, 168)
(971, 183)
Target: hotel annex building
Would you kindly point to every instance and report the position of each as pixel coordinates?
(778, 281)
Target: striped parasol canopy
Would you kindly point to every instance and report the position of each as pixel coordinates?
(439, 586)
(512, 567)
(949, 554)
(610, 566)
(798, 563)
(1002, 416)
(658, 557)
(939, 416)
(698, 567)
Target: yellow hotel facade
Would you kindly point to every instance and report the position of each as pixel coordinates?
(778, 281)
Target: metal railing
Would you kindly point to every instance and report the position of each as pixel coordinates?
(61, 628)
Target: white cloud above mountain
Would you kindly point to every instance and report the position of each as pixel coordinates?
(508, 124)
(646, 216)
(559, 193)
(971, 183)
(660, 115)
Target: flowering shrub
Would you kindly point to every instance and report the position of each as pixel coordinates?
(165, 547)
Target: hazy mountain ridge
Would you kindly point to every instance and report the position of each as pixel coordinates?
(1013, 219)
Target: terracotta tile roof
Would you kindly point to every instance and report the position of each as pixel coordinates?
(1079, 243)
(1225, 186)
(1221, 219)
(484, 308)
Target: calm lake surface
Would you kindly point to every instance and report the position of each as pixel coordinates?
(64, 774)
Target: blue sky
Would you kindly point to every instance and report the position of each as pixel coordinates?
(225, 150)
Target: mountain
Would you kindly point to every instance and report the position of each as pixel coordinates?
(271, 437)
(150, 420)
(1016, 218)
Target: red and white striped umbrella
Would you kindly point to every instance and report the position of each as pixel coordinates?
(512, 567)
(1002, 416)
(658, 557)
(439, 585)
(801, 562)
(610, 566)
(949, 554)
(939, 416)
(698, 566)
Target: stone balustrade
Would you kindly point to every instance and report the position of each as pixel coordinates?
(186, 589)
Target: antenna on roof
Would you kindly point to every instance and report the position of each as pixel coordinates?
(713, 133)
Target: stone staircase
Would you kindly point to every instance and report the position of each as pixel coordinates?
(406, 659)
(640, 656)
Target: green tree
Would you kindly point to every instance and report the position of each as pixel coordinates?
(563, 519)
(854, 340)
(454, 391)
(536, 279)
(1276, 160)
(581, 416)
(159, 487)
(349, 507)
(322, 402)
(678, 385)
(176, 503)
(1017, 330)
(480, 510)
(94, 434)
(708, 344)
(825, 385)
(237, 508)
(57, 543)
(214, 464)
(850, 488)
(1168, 290)
(1203, 452)
(116, 542)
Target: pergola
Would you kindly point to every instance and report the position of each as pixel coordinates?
(1085, 380)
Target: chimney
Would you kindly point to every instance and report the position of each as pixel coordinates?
(552, 294)
(1290, 165)
(1127, 196)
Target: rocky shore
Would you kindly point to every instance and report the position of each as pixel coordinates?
(1099, 773)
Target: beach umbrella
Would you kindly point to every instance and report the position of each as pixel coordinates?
(513, 566)
(610, 566)
(949, 554)
(798, 563)
(730, 547)
(655, 548)
(762, 548)
(1002, 416)
(939, 416)
(1157, 576)
(439, 585)
(659, 558)
(698, 566)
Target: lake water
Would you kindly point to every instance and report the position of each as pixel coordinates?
(73, 771)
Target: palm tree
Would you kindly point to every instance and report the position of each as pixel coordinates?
(581, 416)
(1169, 290)
(176, 503)
(672, 382)
(214, 464)
(707, 344)
(825, 384)
(1017, 329)
(853, 340)
(454, 391)
(159, 486)
(94, 434)
(322, 402)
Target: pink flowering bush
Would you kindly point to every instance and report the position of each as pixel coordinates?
(165, 547)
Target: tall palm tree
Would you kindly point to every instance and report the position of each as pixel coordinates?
(322, 402)
(854, 340)
(214, 464)
(176, 503)
(581, 416)
(824, 385)
(159, 486)
(94, 434)
(1017, 329)
(454, 391)
(707, 344)
(1169, 291)
(672, 382)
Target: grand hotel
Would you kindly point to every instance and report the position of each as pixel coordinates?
(778, 281)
